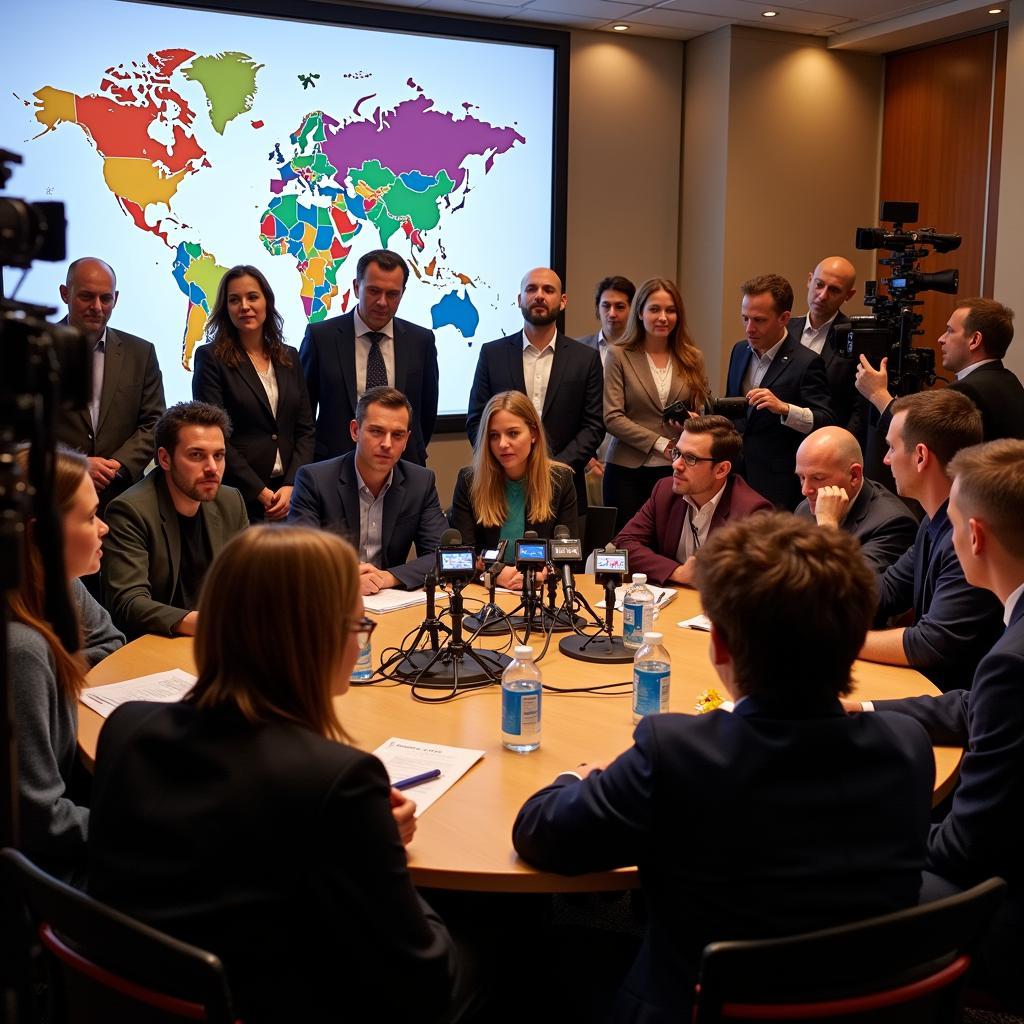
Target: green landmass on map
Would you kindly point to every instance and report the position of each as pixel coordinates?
(229, 81)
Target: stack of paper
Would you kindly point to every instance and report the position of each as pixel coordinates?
(405, 758)
(701, 622)
(393, 600)
(164, 687)
(662, 596)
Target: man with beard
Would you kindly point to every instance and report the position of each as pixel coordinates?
(166, 529)
(562, 377)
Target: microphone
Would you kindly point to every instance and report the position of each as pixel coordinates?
(568, 581)
(450, 538)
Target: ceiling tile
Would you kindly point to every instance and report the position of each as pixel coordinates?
(605, 9)
(683, 20)
(558, 18)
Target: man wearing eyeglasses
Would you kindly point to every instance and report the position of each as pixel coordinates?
(373, 499)
(702, 495)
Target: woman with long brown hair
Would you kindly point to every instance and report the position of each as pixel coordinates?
(46, 679)
(655, 365)
(513, 485)
(241, 820)
(246, 368)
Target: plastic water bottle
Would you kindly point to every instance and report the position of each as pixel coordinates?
(520, 703)
(363, 668)
(652, 677)
(637, 611)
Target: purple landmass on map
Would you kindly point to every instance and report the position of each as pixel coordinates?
(413, 137)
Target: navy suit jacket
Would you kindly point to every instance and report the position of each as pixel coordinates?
(998, 393)
(328, 355)
(848, 405)
(326, 496)
(983, 833)
(955, 624)
(748, 824)
(796, 375)
(573, 414)
(879, 520)
(652, 536)
(256, 432)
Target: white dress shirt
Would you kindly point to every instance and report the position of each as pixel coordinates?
(814, 337)
(537, 370)
(798, 418)
(698, 521)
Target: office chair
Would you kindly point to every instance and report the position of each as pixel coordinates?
(103, 966)
(905, 967)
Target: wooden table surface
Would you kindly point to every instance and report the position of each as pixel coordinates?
(464, 840)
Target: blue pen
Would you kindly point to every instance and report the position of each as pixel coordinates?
(416, 780)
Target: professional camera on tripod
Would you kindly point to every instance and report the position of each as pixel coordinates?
(889, 332)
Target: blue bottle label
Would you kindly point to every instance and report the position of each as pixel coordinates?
(633, 622)
(650, 691)
(363, 668)
(520, 712)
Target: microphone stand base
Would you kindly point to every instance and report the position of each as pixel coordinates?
(610, 650)
(470, 668)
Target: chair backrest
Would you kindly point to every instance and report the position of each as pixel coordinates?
(600, 527)
(902, 967)
(106, 966)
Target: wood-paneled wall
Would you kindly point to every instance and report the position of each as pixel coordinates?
(941, 146)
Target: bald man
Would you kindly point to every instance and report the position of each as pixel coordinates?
(561, 376)
(830, 468)
(116, 430)
(823, 331)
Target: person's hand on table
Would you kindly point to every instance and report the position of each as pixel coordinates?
(683, 573)
(404, 811)
(850, 706)
(830, 505)
(372, 579)
(583, 770)
(187, 625)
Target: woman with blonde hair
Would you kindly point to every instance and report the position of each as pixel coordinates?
(241, 820)
(46, 679)
(655, 365)
(513, 485)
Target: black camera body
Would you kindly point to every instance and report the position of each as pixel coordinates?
(610, 566)
(889, 332)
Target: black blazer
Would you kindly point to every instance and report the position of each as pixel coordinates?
(837, 805)
(573, 414)
(326, 496)
(274, 848)
(131, 401)
(796, 375)
(880, 521)
(998, 393)
(328, 354)
(465, 520)
(848, 405)
(256, 433)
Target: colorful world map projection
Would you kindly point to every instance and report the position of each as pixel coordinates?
(400, 170)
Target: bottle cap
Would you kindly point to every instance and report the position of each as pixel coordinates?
(524, 652)
(653, 638)
(639, 577)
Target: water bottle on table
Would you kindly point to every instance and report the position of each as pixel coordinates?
(652, 677)
(520, 702)
(363, 668)
(637, 611)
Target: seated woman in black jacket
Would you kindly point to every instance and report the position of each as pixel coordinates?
(240, 820)
(513, 485)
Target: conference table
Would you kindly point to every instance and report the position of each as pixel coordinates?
(463, 841)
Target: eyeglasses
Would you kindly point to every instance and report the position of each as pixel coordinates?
(363, 629)
(689, 458)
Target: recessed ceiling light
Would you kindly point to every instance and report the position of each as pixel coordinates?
(995, 10)
(769, 14)
(620, 28)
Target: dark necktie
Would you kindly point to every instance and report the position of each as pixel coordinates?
(376, 371)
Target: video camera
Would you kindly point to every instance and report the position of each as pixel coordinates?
(456, 562)
(890, 331)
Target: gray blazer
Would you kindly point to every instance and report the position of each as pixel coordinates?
(142, 552)
(632, 409)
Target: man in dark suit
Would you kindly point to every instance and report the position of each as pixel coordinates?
(840, 815)
(612, 298)
(977, 335)
(830, 468)
(116, 430)
(702, 495)
(823, 330)
(560, 376)
(955, 624)
(983, 832)
(785, 388)
(380, 504)
(167, 529)
(370, 347)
